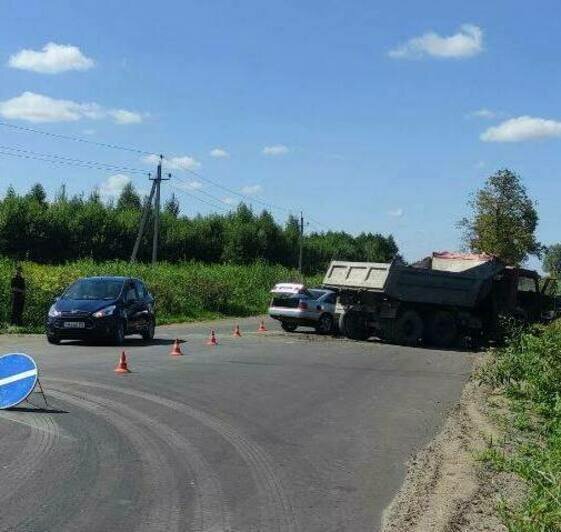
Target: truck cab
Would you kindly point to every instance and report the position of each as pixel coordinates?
(522, 294)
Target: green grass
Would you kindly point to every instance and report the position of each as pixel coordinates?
(183, 292)
(528, 372)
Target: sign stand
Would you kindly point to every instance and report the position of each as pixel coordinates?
(42, 393)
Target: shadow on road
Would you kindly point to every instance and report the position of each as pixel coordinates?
(463, 345)
(36, 410)
(127, 342)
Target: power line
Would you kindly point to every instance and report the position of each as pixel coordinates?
(69, 160)
(94, 166)
(211, 196)
(239, 194)
(215, 206)
(318, 224)
(75, 139)
(104, 166)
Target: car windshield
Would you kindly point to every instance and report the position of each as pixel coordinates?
(94, 289)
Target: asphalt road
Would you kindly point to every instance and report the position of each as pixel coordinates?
(272, 431)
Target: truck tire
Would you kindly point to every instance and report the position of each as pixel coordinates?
(407, 329)
(442, 329)
(354, 326)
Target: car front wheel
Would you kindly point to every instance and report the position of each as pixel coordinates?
(119, 334)
(149, 331)
(55, 340)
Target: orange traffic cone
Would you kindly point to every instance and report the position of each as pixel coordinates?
(237, 332)
(212, 339)
(262, 327)
(122, 365)
(176, 351)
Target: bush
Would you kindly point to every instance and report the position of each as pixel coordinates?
(184, 291)
(528, 370)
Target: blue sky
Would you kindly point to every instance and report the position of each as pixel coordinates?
(369, 116)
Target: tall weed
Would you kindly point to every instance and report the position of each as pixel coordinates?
(184, 291)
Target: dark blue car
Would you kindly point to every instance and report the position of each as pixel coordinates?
(105, 308)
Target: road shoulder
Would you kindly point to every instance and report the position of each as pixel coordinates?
(446, 487)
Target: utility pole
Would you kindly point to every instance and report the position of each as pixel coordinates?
(154, 191)
(157, 182)
(300, 256)
(145, 212)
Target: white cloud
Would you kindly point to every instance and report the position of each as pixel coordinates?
(277, 149)
(33, 107)
(183, 162)
(190, 185)
(38, 108)
(483, 113)
(229, 201)
(252, 189)
(522, 128)
(122, 116)
(466, 43)
(113, 186)
(219, 153)
(396, 213)
(52, 59)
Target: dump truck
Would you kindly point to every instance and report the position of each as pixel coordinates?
(437, 300)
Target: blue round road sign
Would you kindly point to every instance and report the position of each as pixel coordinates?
(18, 377)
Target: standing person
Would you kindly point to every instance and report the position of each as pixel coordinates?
(18, 297)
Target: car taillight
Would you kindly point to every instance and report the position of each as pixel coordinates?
(302, 305)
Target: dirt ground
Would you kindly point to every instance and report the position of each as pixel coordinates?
(446, 488)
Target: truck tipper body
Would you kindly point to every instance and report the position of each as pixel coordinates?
(435, 300)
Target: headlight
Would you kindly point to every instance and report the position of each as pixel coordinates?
(53, 312)
(107, 311)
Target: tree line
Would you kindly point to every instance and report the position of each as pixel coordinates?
(63, 229)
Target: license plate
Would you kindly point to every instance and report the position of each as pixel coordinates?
(74, 324)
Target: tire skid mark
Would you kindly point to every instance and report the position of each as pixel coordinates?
(160, 503)
(211, 514)
(107, 469)
(44, 432)
(276, 508)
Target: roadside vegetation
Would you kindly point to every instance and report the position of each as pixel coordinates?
(183, 291)
(63, 229)
(527, 372)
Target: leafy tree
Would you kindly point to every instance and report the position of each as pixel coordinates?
(552, 259)
(172, 206)
(129, 198)
(38, 194)
(61, 194)
(504, 220)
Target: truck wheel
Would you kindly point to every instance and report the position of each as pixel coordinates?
(408, 328)
(288, 326)
(443, 329)
(354, 326)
